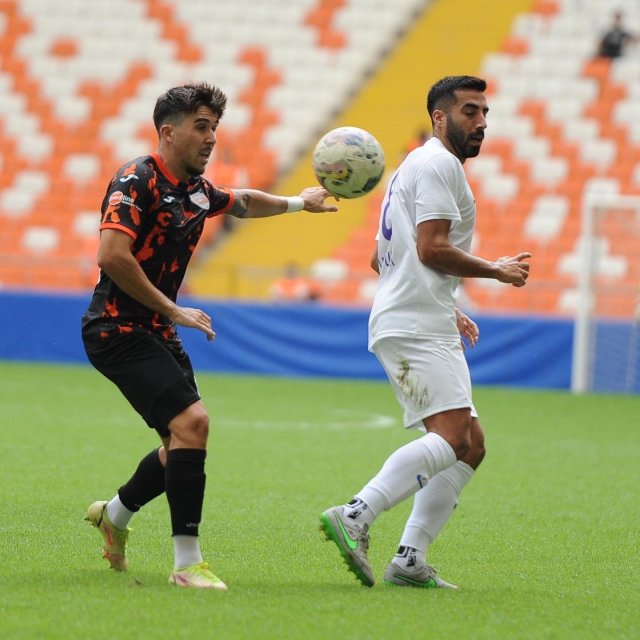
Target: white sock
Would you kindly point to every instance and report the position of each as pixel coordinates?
(409, 558)
(118, 514)
(359, 511)
(406, 470)
(186, 551)
(432, 507)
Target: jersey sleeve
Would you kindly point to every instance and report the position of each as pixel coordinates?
(220, 200)
(131, 192)
(436, 188)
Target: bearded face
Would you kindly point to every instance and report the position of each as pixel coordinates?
(465, 144)
(461, 124)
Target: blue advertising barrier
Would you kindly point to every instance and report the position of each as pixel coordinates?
(308, 340)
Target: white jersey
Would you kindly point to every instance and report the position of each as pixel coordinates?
(412, 299)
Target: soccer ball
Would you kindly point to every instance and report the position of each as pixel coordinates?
(348, 162)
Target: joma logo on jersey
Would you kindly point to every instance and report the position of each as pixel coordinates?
(131, 176)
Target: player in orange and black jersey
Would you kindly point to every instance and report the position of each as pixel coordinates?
(153, 214)
(164, 238)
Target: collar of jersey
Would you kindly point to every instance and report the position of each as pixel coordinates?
(193, 182)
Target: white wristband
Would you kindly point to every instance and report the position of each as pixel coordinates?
(294, 203)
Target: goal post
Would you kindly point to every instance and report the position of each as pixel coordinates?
(606, 346)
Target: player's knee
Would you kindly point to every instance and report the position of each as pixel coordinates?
(475, 455)
(201, 431)
(459, 440)
(455, 427)
(199, 424)
(191, 428)
(462, 441)
(477, 450)
(461, 446)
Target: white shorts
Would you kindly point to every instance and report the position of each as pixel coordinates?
(427, 376)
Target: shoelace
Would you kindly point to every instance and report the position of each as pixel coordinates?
(431, 572)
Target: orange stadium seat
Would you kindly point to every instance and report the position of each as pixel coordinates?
(561, 119)
(86, 93)
(559, 161)
(321, 17)
(67, 195)
(545, 7)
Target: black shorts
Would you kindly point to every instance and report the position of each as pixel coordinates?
(156, 377)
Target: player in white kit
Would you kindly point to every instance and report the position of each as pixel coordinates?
(426, 226)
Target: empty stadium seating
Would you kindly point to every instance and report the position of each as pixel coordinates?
(561, 123)
(78, 83)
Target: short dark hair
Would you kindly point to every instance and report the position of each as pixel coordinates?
(442, 93)
(178, 102)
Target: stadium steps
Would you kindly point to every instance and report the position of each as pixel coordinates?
(542, 152)
(551, 137)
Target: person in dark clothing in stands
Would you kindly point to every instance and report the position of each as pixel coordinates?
(614, 41)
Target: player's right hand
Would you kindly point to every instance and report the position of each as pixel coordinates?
(513, 270)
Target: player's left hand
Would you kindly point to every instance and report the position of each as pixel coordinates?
(514, 270)
(467, 327)
(314, 198)
(196, 318)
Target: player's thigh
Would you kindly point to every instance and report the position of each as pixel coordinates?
(158, 381)
(428, 376)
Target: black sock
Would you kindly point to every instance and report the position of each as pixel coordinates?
(185, 480)
(145, 484)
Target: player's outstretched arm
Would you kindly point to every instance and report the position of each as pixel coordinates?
(251, 203)
(435, 251)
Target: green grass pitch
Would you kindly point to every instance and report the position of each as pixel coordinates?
(544, 543)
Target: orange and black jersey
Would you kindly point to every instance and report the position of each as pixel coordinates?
(165, 218)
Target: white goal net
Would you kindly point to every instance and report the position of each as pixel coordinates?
(606, 352)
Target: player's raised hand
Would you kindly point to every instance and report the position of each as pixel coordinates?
(513, 270)
(314, 200)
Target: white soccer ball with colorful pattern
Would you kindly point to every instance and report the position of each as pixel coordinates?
(348, 162)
